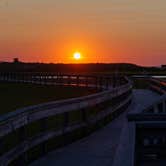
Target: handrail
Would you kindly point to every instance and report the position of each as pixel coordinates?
(65, 101)
(49, 134)
(158, 85)
(21, 117)
(27, 114)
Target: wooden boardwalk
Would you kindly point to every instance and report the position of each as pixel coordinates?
(98, 149)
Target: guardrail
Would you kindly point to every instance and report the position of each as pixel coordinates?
(35, 126)
(155, 84)
(148, 134)
(158, 85)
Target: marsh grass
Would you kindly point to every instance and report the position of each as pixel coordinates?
(18, 95)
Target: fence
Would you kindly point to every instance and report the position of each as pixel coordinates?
(158, 85)
(38, 127)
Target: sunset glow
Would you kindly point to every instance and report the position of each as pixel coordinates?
(77, 55)
(104, 31)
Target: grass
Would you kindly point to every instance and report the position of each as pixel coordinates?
(18, 95)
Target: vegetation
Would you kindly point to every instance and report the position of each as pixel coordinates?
(18, 95)
(101, 68)
(140, 83)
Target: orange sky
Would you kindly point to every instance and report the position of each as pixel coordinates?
(103, 31)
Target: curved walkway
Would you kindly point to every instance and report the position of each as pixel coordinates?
(100, 147)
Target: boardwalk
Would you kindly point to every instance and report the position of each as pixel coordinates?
(100, 147)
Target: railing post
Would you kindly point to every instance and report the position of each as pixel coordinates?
(96, 82)
(84, 115)
(2, 145)
(66, 119)
(43, 128)
(22, 135)
(51, 79)
(57, 79)
(100, 82)
(47, 78)
(164, 106)
(54, 79)
(43, 78)
(39, 78)
(86, 81)
(69, 80)
(61, 80)
(107, 82)
(28, 77)
(114, 81)
(9, 77)
(78, 80)
(65, 125)
(85, 120)
(156, 109)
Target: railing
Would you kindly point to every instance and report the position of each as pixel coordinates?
(148, 138)
(158, 85)
(59, 118)
(103, 82)
(155, 84)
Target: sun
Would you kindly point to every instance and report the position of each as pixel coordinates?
(77, 55)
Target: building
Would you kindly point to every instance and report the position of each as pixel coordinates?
(16, 60)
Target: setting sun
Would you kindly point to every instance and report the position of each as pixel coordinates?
(77, 55)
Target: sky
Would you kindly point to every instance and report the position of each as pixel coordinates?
(106, 31)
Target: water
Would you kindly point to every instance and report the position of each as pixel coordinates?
(159, 77)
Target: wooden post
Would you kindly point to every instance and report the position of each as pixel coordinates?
(66, 119)
(96, 82)
(61, 80)
(24, 77)
(77, 80)
(84, 115)
(69, 80)
(156, 109)
(45, 79)
(52, 79)
(40, 78)
(100, 82)
(86, 81)
(114, 81)
(43, 128)
(65, 125)
(2, 145)
(107, 82)
(22, 135)
(85, 120)
(164, 106)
